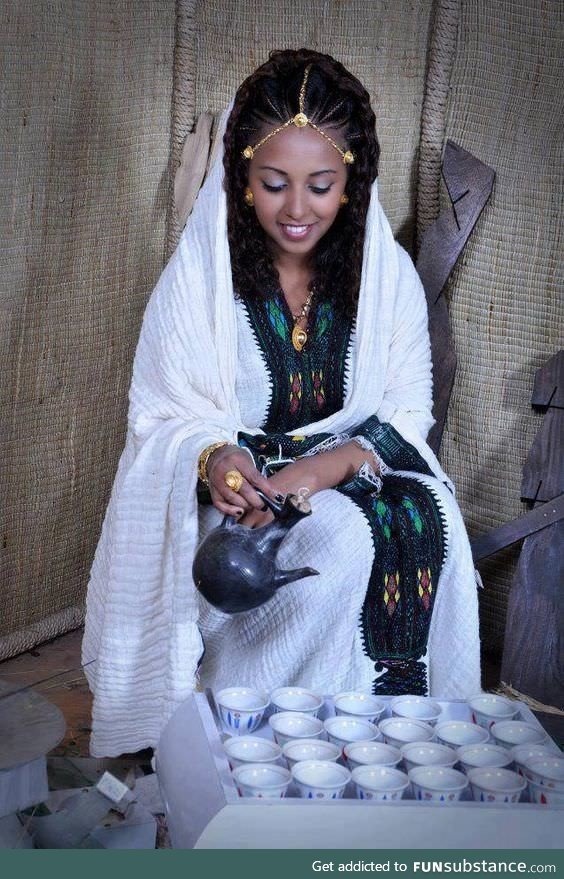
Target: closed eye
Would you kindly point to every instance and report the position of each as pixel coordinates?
(320, 190)
(270, 188)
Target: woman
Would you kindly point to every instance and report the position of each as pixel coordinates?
(285, 348)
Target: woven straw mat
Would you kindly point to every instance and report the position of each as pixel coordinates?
(85, 142)
(506, 295)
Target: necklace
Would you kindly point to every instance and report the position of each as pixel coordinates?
(299, 335)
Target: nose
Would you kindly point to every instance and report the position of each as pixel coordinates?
(296, 204)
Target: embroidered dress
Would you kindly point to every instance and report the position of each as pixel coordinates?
(200, 376)
(404, 517)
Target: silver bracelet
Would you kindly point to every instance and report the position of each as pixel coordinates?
(368, 447)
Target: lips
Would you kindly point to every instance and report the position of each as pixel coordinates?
(294, 232)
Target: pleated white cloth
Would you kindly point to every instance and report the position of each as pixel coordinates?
(199, 377)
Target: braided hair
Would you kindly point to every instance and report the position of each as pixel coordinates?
(336, 101)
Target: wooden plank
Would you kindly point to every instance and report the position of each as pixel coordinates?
(469, 183)
(549, 383)
(517, 529)
(533, 654)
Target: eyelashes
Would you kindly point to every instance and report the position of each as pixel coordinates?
(317, 190)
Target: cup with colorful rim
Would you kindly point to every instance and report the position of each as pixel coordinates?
(491, 785)
(398, 731)
(508, 733)
(489, 708)
(437, 784)
(521, 753)
(262, 780)
(296, 699)
(370, 754)
(363, 705)
(298, 750)
(427, 754)
(241, 709)
(543, 795)
(289, 725)
(344, 729)
(479, 756)
(546, 771)
(416, 708)
(379, 783)
(242, 750)
(320, 779)
(456, 733)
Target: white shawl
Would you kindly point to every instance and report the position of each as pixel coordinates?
(142, 608)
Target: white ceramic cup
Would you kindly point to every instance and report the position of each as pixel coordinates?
(298, 750)
(478, 756)
(380, 783)
(547, 771)
(416, 708)
(496, 785)
(508, 733)
(370, 754)
(267, 781)
(320, 779)
(363, 705)
(296, 699)
(456, 733)
(398, 731)
(437, 784)
(251, 749)
(488, 708)
(521, 753)
(344, 729)
(427, 754)
(289, 725)
(241, 709)
(543, 795)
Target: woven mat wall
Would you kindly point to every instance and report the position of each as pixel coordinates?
(384, 44)
(506, 107)
(85, 138)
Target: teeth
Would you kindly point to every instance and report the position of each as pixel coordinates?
(296, 230)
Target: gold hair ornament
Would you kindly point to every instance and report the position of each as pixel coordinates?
(300, 120)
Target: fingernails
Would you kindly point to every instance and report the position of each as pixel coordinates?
(238, 513)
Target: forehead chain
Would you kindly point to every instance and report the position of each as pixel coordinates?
(300, 120)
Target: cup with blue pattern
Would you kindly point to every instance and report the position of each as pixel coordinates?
(241, 709)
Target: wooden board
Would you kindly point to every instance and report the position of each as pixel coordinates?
(533, 655)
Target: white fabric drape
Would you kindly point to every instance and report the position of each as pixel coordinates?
(142, 607)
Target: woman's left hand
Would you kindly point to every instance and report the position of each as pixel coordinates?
(315, 473)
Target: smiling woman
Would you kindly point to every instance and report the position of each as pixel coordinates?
(285, 349)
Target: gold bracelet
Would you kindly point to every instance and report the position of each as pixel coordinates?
(204, 458)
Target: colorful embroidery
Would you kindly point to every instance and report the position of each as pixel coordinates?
(391, 592)
(295, 392)
(320, 366)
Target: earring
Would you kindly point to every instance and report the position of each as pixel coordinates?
(344, 199)
(249, 197)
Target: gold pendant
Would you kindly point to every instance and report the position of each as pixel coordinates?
(299, 338)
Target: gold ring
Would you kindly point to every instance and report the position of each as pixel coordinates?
(233, 480)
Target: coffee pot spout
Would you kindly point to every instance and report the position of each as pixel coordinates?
(281, 578)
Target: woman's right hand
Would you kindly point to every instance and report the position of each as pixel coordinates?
(226, 500)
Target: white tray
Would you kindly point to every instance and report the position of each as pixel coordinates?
(204, 809)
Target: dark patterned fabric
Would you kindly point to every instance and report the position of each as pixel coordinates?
(308, 385)
(406, 523)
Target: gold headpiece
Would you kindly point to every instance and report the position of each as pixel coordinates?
(300, 120)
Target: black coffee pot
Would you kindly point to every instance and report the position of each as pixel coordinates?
(235, 567)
